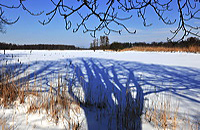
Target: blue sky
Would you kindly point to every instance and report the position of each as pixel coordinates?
(29, 31)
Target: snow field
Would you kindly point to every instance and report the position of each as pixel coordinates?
(106, 81)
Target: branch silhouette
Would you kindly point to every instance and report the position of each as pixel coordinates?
(108, 15)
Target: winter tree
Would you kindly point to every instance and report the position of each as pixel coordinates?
(108, 14)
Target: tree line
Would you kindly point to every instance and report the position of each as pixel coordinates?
(103, 44)
(191, 41)
(6, 46)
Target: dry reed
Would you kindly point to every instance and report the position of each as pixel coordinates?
(193, 49)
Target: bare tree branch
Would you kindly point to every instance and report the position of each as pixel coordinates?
(107, 14)
(5, 21)
(187, 12)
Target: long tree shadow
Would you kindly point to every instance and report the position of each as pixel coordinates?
(110, 87)
(141, 78)
(105, 91)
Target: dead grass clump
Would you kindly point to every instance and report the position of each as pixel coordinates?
(11, 90)
(4, 125)
(161, 115)
(8, 91)
(193, 49)
(190, 124)
(55, 105)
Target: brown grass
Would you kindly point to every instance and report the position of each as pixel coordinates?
(56, 104)
(8, 91)
(3, 124)
(193, 49)
(161, 116)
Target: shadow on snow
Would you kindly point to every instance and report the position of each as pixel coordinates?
(114, 85)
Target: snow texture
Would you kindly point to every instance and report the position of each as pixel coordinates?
(106, 77)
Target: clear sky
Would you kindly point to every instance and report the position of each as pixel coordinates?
(29, 31)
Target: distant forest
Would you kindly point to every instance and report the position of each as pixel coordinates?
(191, 41)
(6, 46)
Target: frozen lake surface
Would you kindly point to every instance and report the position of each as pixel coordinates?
(151, 77)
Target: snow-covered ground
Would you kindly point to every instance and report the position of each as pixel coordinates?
(106, 77)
